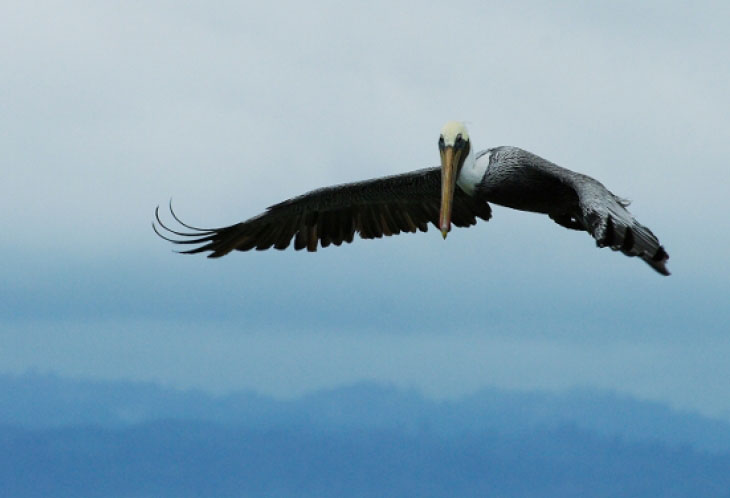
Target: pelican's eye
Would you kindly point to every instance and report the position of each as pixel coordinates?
(442, 144)
(459, 143)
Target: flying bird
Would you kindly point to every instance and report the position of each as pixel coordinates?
(458, 192)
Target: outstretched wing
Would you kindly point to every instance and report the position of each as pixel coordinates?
(522, 180)
(332, 215)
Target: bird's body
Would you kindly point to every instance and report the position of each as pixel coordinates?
(459, 192)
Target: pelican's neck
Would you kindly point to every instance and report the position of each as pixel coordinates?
(471, 173)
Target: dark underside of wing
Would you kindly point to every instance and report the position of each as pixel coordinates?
(333, 215)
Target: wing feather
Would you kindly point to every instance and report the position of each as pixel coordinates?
(612, 225)
(606, 217)
(525, 181)
(333, 215)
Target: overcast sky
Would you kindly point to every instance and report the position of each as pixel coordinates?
(110, 108)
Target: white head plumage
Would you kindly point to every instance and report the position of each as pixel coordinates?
(453, 129)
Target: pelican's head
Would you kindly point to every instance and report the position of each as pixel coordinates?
(454, 147)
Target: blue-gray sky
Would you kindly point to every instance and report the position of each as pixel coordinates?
(109, 109)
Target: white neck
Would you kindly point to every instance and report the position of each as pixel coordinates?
(472, 172)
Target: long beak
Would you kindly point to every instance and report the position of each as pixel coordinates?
(448, 184)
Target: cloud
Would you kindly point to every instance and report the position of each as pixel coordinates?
(116, 107)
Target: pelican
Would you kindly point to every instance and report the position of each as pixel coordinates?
(458, 192)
